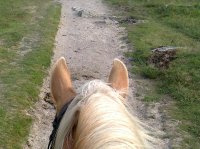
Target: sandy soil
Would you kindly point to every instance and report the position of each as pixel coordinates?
(89, 41)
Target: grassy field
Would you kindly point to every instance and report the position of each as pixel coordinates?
(27, 31)
(169, 23)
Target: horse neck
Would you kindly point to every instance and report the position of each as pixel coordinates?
(104, 122)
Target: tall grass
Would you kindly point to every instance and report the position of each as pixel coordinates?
(21, 73)
(169, 23)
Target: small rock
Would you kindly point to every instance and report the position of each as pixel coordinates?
(49, 101)
(130, 59)
(74, 8)
(80, 13)
(44, 106)
(47, 98)
(100, 22)
(45, 123)
(115, 22)
(129, 20)
(29, 143)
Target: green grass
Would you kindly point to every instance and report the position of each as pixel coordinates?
(21, 75)
(169, 23)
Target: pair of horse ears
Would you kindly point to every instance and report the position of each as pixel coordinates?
(61, 85)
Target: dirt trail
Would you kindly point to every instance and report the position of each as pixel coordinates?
(89, 41)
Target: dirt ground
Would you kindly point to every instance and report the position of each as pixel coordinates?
(89, 41)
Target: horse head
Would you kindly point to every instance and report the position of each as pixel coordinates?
(98, 118)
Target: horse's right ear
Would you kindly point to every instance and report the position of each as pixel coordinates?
(61, 85)
(119, 77)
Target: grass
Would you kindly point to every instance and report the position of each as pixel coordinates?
(169, 23)
(23, 63)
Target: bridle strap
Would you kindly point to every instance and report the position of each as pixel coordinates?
(56, 124)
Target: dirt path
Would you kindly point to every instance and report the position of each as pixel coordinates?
(89, 41)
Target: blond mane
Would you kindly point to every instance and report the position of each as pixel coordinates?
(103, 119)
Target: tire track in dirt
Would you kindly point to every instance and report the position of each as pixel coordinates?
(89, 41)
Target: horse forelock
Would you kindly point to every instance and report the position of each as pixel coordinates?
(103, 120)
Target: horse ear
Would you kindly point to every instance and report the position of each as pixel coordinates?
(61, 85)
(119, 77)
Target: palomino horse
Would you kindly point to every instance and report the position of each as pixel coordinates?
(98, 117)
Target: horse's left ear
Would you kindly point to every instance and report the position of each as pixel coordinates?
(119, 77)
(61, 84)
